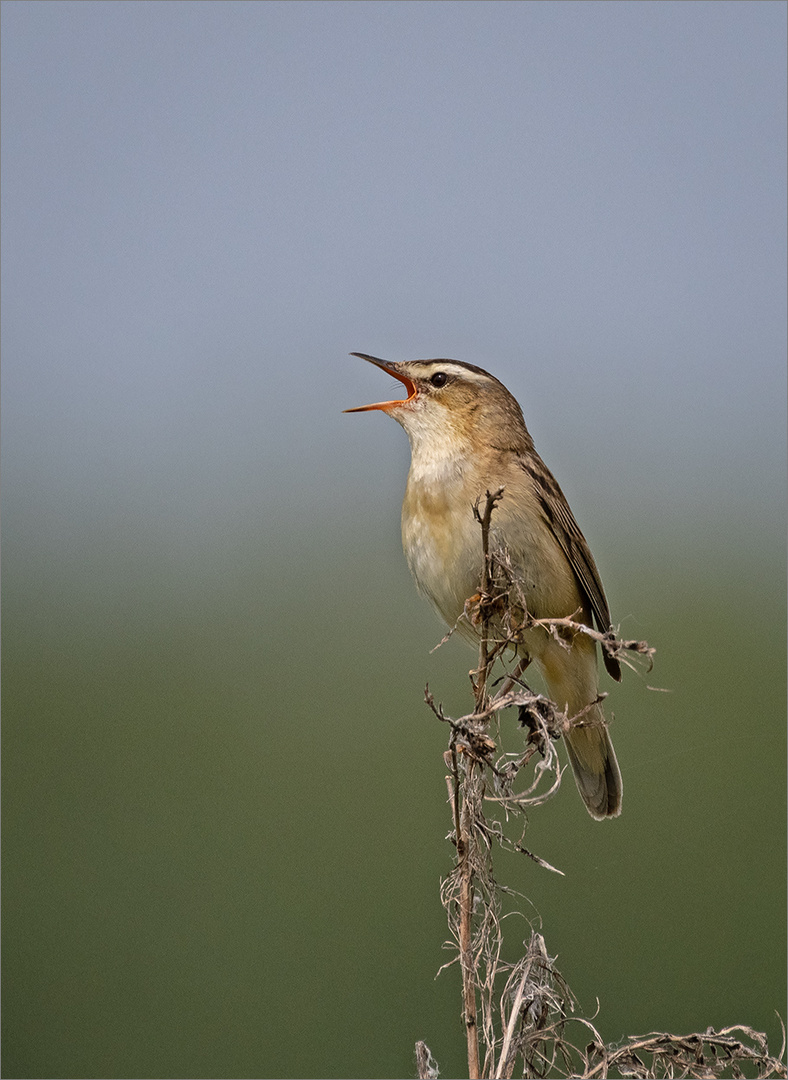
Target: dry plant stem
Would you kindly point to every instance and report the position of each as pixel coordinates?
(462, 832)
(486, 658)
(425, 1063)
(462, 817)
(507, 1058)
(466, 939)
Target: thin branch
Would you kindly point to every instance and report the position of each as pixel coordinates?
(487, 597)
(467, 963)
(611, 644)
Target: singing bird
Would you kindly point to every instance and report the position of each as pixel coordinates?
(467, 437)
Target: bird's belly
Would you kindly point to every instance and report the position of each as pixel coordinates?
(444, 553)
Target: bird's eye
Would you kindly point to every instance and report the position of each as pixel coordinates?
(439, 378)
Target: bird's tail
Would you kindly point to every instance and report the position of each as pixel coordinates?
(594, 765)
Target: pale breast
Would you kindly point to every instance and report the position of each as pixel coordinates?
(442, 544)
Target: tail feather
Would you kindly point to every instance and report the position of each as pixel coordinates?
(595, 768)
(572, 682)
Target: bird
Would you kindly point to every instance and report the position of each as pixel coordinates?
(467, 438)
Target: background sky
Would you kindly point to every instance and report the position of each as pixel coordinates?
(206, 206)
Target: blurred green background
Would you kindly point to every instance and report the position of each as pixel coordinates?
(224, 802)
(225, 809)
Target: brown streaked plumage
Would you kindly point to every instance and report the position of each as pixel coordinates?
(468, 436)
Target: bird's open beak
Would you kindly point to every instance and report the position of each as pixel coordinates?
(391, 369)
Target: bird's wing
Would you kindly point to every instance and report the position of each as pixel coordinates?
(573, 543)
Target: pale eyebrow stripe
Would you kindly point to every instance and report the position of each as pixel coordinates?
(456, 368)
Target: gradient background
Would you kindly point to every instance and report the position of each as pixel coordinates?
(224, 797)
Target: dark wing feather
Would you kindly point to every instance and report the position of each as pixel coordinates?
(567, 533)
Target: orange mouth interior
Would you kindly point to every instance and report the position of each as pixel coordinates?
(409, 385)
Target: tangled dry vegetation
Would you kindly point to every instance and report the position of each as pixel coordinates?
(520, 1016)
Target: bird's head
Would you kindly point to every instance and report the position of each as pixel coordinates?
(451, 405)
